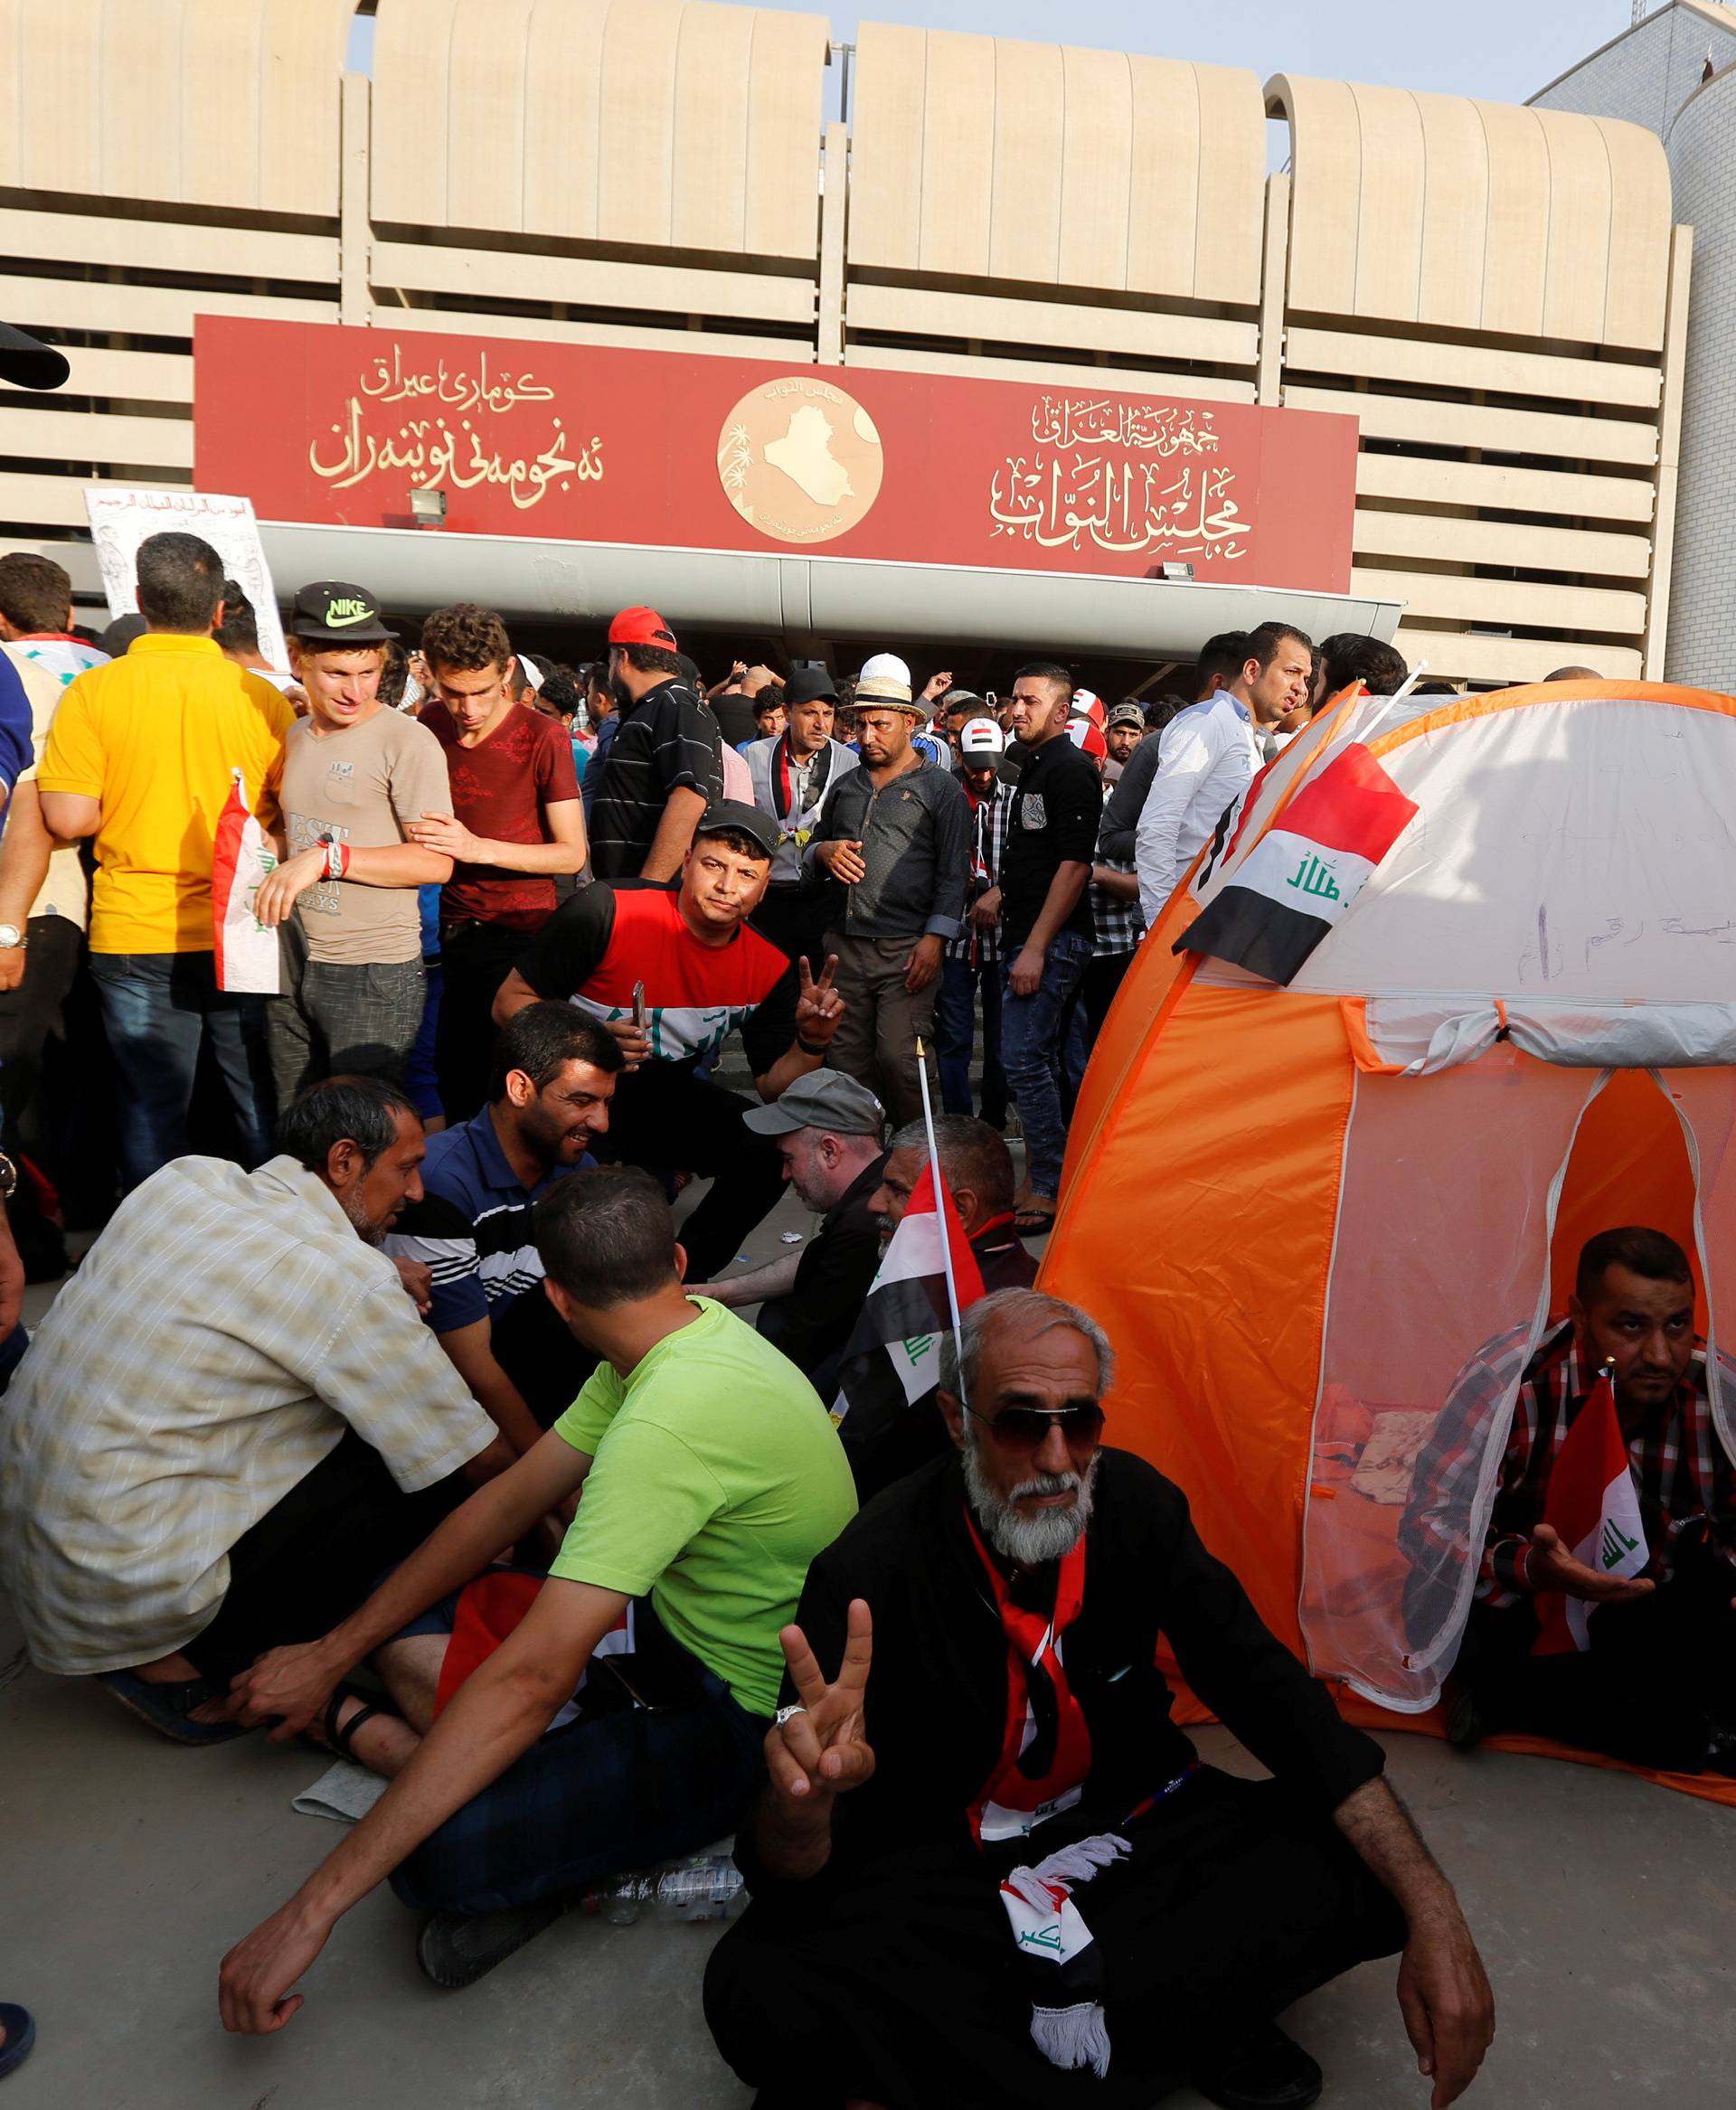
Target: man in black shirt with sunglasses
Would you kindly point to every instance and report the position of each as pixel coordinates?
(986, 1852)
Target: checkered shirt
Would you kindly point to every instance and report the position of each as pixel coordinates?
(988, 841)
(220, 1338)
(1679, 1467)
(1119, 925)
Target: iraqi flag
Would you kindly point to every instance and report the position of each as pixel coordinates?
(247, 952)
(1593, 1503)
(893, 1359)
(1296, 883)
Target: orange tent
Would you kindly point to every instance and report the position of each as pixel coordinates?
(1304, 1207)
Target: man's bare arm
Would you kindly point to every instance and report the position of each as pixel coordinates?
(675, 834)
(470, 1350)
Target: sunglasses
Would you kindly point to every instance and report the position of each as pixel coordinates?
(1021, 1430)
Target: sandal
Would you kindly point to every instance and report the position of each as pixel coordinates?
(20, 2038)
(168, 1708)
(341, 1740)
(1033, 1223)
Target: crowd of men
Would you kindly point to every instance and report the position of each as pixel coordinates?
(394, 1357)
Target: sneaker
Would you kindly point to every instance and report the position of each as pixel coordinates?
(457, 1948)
(1271, 2072)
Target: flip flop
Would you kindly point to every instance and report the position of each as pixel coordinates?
(1035, 1223)
(168, 1708)
(20, 2036)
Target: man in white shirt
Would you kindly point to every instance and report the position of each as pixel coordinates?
(1208, 755)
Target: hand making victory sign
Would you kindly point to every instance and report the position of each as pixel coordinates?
(819, 1748)
(818, 1007)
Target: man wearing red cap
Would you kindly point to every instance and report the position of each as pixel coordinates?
(665, 764)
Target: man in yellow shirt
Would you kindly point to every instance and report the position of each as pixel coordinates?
(140, 755)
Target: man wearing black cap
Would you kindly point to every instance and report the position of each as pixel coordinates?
(665, 766)
(355, 776)
(670, 970)
(792, 774)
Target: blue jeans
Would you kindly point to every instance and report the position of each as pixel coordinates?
(157, 1008)
(1030, 1053)
(955, 1037)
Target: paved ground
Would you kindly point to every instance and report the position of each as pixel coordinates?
(1606, 1908)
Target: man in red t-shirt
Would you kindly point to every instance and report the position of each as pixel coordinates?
(704, 971)
(516, 823)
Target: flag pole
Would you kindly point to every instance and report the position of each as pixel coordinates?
(941, 1197)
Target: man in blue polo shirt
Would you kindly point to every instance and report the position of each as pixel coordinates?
(553, 1077)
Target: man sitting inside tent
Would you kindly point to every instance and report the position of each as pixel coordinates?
(989, 1854)
(1570, 1634)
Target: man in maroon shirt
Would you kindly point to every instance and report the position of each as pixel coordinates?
(516, 823)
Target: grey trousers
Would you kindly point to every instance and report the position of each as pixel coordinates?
(343, 1020)
(875, 1042)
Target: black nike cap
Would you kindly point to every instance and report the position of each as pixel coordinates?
(331, 613)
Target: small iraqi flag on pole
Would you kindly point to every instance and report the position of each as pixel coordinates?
(247, 952)
(893, 1359)
(1593, 1506)
(1297, 880)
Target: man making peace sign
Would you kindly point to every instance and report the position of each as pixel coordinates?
(686, 954)
(989, 1869)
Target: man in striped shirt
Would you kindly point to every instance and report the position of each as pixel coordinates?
(1657, 1686)
(553, 1078)
(974, 957)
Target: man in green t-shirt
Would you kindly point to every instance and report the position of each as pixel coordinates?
(711, 1477)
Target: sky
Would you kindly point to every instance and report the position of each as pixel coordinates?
(1502, 50)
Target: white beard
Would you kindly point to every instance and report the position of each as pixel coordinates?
(1029, 1541)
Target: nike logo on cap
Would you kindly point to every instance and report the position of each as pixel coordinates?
(357, 614)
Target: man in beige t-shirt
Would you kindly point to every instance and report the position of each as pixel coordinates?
(353, 775)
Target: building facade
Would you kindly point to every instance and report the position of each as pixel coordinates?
(1497, 296)
(1674, 73)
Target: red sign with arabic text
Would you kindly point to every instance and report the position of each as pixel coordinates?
(574, 442)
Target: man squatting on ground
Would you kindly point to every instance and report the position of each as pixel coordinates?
(973, 1702)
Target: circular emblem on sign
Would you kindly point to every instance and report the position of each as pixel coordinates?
(799, 459)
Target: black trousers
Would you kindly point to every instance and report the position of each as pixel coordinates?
(665, 1117)
(1098, 989)
(311, 1559)
(476, 958)
(793, 918)
(1660, 1671)
(903, 1985)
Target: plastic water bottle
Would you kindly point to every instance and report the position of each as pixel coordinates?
(707, 1886)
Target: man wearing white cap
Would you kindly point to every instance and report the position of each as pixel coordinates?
(894, 838)
(974, 957)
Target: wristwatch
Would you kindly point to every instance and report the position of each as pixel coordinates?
(12, 939)
(8, 1171)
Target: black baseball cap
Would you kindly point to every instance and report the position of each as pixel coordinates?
(332, 613)
(809, 684)
(732, 812)
(27, 362)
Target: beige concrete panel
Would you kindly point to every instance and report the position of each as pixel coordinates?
(1389, 205)
(714, 79)
(1577, 278)
(59, 500)
(1137, 332)
(563, 72)
(304, 48)
(411, 74)
(134, 377)
(1675, 336)
(1325, 188)
(1456, 212)
(1125, 380)
(594, 282)
(635, 144)
(1095, 168)
(1438, 537)
(888, 89)
(1515, 260)
(1452, 595)
(139, 101)
(1573, 494)
(1491, 367)
(1274, 265)
(54, 140)
(1454, 657)
(786, 116)
(163, 245)
(1639, 236)
(1163, 176)
(536, 329)
(85, 436)
(834, 199)
(1233, 186)
(1597, 439)
(957, 171)
(1025, 233)
(354, 229)
(484, 132)
(157, 311)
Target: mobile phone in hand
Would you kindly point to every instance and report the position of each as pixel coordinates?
(638, 1005)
